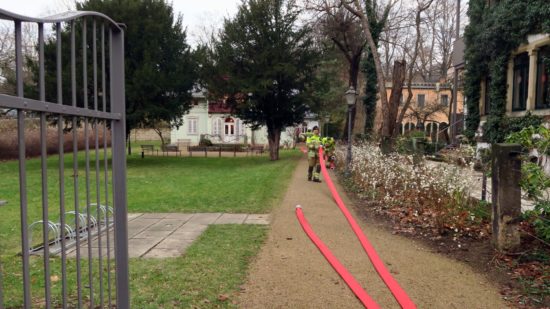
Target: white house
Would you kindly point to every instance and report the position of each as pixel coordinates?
(213, 120)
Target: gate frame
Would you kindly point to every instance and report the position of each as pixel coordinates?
(118, 136)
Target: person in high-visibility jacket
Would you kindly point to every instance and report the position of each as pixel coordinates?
(313, 143)
(329, 147)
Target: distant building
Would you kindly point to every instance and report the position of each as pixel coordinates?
(212, 119)
(429, 107)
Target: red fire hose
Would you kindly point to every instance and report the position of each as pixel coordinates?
(399, 294)
(340, 269)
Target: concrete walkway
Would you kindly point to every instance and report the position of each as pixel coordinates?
(163, 235)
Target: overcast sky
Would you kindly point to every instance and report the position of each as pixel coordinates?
(197, 14)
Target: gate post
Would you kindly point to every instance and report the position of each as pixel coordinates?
(506, 197)
(118, 105)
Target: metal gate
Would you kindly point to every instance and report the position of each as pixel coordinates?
(80, 258)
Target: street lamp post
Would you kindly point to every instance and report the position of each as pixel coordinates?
(327, 119)
(351, 96)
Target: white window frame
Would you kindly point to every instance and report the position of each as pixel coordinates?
(217, 126)
(192, 125)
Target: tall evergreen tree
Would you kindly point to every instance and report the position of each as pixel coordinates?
(160, 69)
(265, 64)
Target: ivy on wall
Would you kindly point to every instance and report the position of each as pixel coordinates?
(494, 32)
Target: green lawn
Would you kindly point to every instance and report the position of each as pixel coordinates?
(214, 265)
(155, 184)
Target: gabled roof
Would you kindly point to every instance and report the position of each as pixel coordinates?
(219, 106)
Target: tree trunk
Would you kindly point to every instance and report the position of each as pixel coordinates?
(129, 138)
(274, 138)
(159, 132)
(374, 52)
(390, 125)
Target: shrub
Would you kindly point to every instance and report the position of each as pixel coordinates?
(205, 142)
(439, 194)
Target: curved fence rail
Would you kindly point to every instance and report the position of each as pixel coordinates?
(78, 199)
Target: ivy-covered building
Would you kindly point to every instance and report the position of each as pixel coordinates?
(507, 66)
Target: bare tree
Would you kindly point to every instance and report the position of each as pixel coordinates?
(422, 6)
(356, 8)
(428, 112)
(344, 30)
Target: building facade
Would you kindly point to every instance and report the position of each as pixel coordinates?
(212, 120)
(429, 109)
(527, 81)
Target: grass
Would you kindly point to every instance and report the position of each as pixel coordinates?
(155, 184)
(207, 276)
(213, 265)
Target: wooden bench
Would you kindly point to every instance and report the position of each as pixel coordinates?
(256, 149)
(150, 148)
(216, 148)
(166, 149)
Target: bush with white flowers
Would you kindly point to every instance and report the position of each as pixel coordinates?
(437, 193)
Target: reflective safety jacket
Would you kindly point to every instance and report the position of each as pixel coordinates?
(328, 144)
(313, 142)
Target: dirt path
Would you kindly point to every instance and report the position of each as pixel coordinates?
(290, 272)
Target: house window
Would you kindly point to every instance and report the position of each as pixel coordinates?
(229, 126)
(486, 97)
(217, 127)
(445, 100)
(421, 98)
(542, 99)
(521, 82)
(192, 124)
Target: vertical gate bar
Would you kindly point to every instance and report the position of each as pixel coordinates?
(75, 166)
(44, 167)
(22, 169)
(98, 187)
(88, 213)
(118, 105)
(106, 163)
(87, 157)
(61, 151)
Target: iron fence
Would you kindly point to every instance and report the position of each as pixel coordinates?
(81, 254)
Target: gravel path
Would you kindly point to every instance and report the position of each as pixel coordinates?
(290, 272)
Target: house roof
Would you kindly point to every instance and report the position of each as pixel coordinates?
(219, 107)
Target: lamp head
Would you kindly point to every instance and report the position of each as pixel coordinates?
(351, 96)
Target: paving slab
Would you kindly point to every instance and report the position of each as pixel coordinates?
(188, 235)
(205, 218)
(191, 227)
(174, 243)
(154, 216)
(132, 216)
(166, 225)
(231, 219)
(179, 216)
(153, 235)
(158, 253)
